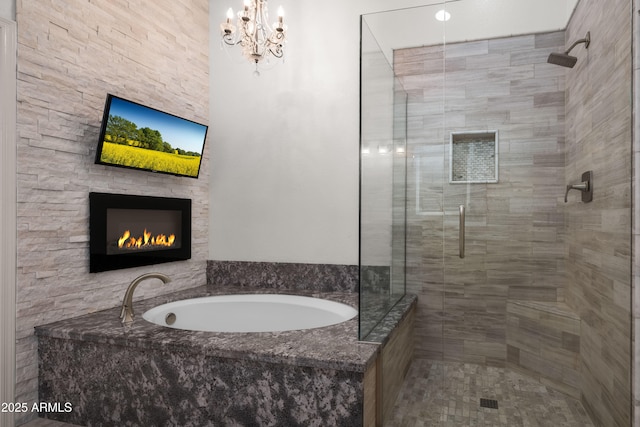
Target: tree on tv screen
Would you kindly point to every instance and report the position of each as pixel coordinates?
(125, 132)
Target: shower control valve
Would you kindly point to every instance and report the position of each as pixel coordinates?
(585, 186)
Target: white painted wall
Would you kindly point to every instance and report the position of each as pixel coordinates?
(8, 9)
(283, 185)
(284, 146)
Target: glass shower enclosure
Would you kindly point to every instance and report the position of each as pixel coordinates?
(469, 141)
(383, 184)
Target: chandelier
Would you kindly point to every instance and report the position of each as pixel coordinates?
(257, 38)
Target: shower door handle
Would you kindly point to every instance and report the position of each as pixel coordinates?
(461, 236)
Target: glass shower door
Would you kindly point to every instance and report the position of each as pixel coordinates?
(473, 307)
(504, 165)
(449, 245)
(507, 273)
(382, 186)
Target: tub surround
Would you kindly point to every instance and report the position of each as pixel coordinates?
(172, 387)
(199, 378)
(144, 373)
(276, 275)
(396, 354)
(381, 333)
(332, 347)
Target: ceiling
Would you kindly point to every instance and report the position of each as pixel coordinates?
(470, 20)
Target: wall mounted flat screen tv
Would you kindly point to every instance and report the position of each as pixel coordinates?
(139, 137)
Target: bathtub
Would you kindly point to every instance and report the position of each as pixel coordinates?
(250, 313)
(146, 374)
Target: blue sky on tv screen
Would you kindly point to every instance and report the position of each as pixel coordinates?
(180, 133)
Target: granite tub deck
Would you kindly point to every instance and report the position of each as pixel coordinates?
(146, 374)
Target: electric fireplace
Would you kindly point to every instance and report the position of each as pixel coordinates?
(130, 231)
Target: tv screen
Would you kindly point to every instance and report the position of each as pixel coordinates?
(138, 137)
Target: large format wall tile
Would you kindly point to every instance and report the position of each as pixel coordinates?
(523, 242)
(514, 228)
(598, 138)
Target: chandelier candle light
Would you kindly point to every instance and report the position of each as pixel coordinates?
(258, 39)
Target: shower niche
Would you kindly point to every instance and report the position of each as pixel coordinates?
(473, 157)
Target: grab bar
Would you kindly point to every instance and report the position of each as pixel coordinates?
(461, 237)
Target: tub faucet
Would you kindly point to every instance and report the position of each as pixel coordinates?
(126, 314)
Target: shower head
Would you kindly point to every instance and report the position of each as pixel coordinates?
(566, 60)
(562, 59)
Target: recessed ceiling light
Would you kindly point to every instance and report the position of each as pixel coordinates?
(443, 15)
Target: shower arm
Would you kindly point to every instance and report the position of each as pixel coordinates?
(585, 40)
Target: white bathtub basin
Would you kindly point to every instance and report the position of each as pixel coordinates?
(250, 313)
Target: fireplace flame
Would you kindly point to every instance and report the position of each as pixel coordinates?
(146, 240)
(124, 238)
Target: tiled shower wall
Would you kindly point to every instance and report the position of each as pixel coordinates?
(517, 246)
(514, 228)
(598, 138)
(70, 55)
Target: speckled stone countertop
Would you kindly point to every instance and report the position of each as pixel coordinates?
(330, 347)
(381, 332)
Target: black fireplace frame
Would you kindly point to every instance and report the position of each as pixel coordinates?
(99, 203)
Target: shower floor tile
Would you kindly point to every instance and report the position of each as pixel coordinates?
(448, 394)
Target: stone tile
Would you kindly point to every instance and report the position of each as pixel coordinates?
(524, 101)
(61, 89)
(552, 123)
(443, 393)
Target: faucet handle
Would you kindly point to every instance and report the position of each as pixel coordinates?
(585, 186)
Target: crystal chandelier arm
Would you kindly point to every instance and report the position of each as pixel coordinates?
(228, 29)
(230, 39)
(257, 38)
(276, 43)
